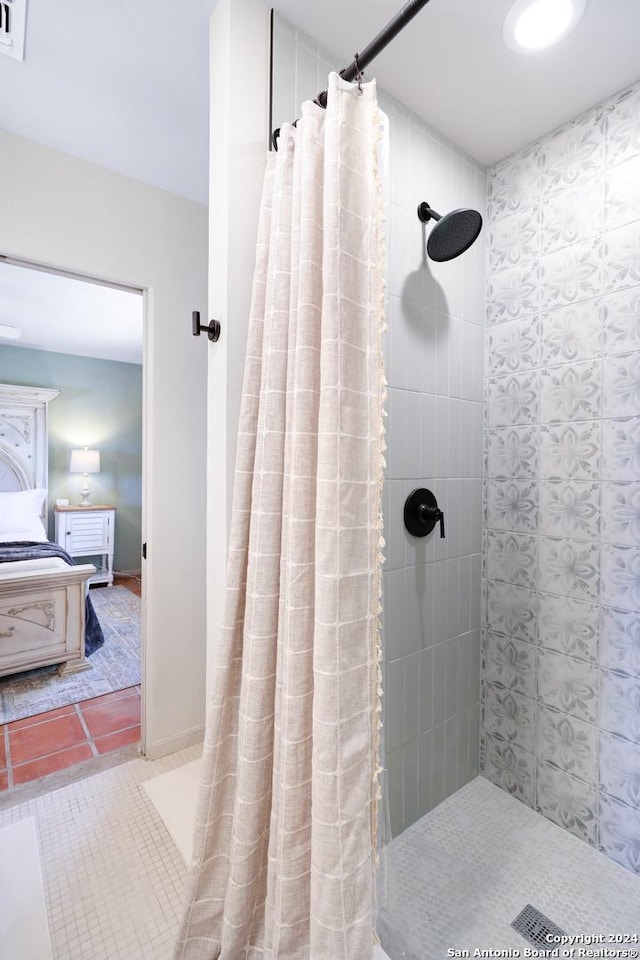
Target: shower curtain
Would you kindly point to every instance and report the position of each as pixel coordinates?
(285, 835)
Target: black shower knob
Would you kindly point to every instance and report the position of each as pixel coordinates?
(421, 513)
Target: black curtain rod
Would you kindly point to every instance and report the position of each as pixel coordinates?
(371, 51)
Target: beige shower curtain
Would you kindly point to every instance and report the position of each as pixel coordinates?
(285, 834)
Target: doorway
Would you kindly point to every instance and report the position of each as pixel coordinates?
(85, 340)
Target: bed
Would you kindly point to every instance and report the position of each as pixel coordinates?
(44, 599)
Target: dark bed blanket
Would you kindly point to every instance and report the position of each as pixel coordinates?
(94, 637)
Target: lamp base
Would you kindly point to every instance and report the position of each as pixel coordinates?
(84, 492)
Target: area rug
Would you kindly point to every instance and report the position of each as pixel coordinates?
(115, 666)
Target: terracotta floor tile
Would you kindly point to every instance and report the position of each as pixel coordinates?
(107, 697)
(42, 717)
(4, 780)
(116, 740)
(114, 715)
(27, 772)
(3, 753)
(43, 739)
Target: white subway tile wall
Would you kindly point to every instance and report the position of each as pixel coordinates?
(561, 673)
(434, 353)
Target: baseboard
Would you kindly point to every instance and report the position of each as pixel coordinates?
(128, 573)
(162, 748)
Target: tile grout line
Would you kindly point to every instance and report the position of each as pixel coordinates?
(7, 757)
(84, 726)
(88, 740)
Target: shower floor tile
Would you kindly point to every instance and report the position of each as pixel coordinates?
(458, 877)
(114, 879)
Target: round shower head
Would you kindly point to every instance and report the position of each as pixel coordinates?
(453, 234)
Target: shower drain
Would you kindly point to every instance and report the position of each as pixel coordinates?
(536, 928)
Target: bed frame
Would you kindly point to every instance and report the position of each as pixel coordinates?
(42, 602)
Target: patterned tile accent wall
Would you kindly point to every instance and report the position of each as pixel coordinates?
(561, 552)
(434, 365)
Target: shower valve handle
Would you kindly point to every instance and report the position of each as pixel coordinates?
(427, 513)
(422, 513)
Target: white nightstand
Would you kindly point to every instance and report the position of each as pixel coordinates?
(88, 532)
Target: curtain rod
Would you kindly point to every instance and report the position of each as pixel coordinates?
(371, 51)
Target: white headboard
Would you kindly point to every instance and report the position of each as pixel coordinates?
(24, 459)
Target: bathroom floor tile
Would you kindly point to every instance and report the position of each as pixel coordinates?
(54, 741)
(460, 875)
(26, 772)
(114, 880)
(42, 718)
(112, 715)
(43, 739)
(113, 741)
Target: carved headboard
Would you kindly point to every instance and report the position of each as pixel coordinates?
(24, 458)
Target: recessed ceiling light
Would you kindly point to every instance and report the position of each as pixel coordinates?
(533, 25)
(9, 333)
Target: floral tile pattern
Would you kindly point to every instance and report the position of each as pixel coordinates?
(571, 509)
(513, 453)
(620, 833)
(572, 213)
(620, 769)
(570, 274)
(567, 743)
(569, 567)
(620, 641)
(569, 626)
(511, 768)
(621, 513)
(509, 717)
(570, 451)
(621, 385)
(570, 392)
(620, 705)
(574, 154)
(621, 577)
(510, 664)
(514, 346)
(513, 400)
(620, 314)
(621, 449)
(511, 505)
(561, 545)
(572, 333)
(569, 685)
(567, 801)
(511, 557)
(621, 258)
(512, 611)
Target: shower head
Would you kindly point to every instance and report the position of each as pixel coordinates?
(453, 234)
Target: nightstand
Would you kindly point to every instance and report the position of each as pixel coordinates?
(88, 532)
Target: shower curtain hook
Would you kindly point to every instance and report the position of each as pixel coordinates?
(359, 72)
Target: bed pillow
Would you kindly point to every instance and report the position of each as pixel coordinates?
(21, 516)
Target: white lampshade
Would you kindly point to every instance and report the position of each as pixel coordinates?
(85, 461)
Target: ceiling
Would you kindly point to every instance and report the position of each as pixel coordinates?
(125, 85)
(73, 316)
(453, 68)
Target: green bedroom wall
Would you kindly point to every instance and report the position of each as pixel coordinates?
(99, 406)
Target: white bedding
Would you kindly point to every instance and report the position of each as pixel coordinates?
(43, 565)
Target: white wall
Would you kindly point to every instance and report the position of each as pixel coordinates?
(64, 212)
(239, 143)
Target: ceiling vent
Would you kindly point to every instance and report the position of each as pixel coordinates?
(13, 15)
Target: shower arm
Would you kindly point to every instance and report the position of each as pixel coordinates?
(371, 51)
